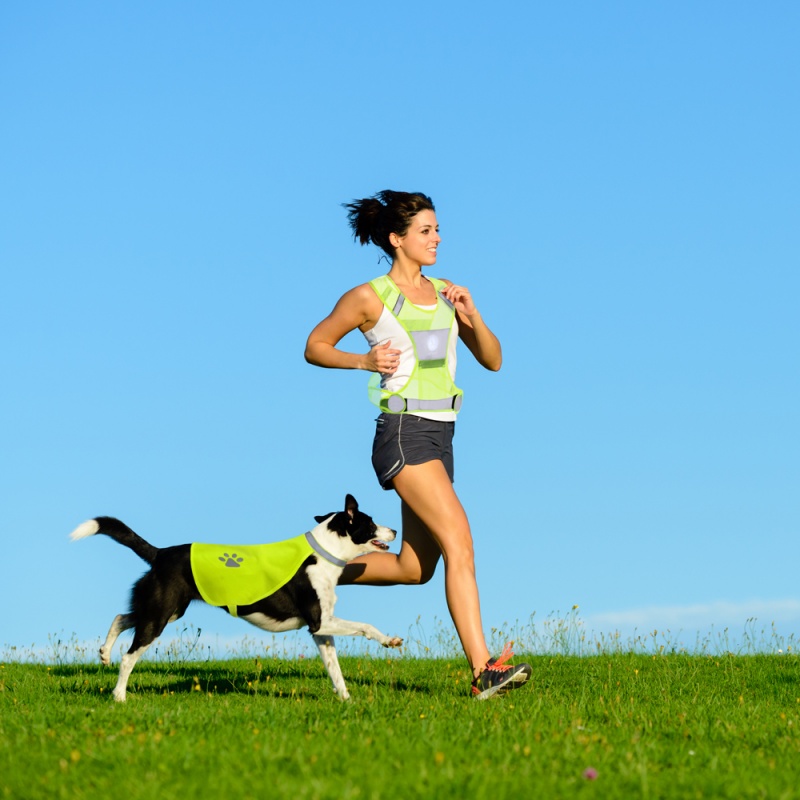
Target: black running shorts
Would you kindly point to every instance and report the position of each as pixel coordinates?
(402, 439)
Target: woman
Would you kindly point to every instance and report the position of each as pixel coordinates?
(411, 324)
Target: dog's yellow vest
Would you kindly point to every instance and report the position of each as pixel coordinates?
(237, 575)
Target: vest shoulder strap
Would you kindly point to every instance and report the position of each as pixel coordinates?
(386, 290)
(440, 286)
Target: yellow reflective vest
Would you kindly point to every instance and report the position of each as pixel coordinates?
(430, 386)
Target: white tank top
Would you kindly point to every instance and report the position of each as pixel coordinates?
(388, 329)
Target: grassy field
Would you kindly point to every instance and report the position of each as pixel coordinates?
(618, 725)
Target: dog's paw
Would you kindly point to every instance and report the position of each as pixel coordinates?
(105, 656)
(395, 641)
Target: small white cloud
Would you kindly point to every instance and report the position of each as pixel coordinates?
(719, 614)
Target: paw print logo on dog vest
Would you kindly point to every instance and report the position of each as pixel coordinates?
(231, 560)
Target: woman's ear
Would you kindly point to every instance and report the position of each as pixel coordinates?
(394, 240)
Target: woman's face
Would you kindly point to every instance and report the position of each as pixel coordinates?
(420, 241)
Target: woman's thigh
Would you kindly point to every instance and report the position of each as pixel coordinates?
(426, 489)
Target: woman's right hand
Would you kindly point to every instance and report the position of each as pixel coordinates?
(383, 358)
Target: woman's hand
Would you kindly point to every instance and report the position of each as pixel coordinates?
(460, 297)
(383, 358)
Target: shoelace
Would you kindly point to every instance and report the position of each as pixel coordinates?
(494, 665)
(499, 663)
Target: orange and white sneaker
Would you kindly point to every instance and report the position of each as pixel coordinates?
(498, 677)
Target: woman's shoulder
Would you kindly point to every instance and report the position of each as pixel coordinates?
(360, 300)
(361, 293)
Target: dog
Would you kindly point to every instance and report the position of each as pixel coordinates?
(277, 587)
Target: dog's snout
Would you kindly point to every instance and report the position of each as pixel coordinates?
(386, 534)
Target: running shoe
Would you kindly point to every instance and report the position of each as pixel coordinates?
(499, 677)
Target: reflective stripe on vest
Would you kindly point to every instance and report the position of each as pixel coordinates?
(397, 404)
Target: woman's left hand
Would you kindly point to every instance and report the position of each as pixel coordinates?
(460, 297)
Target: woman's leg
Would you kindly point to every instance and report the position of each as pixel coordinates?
(435, 524)
(415, 563)
(427, 490)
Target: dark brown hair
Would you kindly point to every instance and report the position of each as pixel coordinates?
(374, 218)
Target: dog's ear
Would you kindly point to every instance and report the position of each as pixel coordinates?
(323, 517)
(350, 505)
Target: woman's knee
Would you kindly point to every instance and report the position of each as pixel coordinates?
(460, 558)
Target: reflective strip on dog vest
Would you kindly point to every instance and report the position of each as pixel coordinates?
(229, 575)
(430, 386)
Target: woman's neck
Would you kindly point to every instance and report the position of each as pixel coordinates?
(407, 273)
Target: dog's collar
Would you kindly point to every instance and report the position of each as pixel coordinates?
(315, 545)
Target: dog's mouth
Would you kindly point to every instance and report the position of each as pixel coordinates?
(379, 545)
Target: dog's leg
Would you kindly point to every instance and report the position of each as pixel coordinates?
(146, 633)
(126, 666)
(333, 626)
(122, 622)
(327, 651)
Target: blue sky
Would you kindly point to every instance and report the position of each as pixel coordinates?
(615, 182)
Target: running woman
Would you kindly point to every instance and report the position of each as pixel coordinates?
(412, 323)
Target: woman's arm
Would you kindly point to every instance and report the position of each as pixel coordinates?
(474, 332)
(358, 308)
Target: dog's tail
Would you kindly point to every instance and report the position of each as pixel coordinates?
(119, 532)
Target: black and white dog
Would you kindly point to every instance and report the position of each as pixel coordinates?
(304, 595)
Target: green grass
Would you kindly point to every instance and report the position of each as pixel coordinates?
(650, 724)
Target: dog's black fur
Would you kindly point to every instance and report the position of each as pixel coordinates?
(163, 594)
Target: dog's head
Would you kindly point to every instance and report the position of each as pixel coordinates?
(352, 532)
